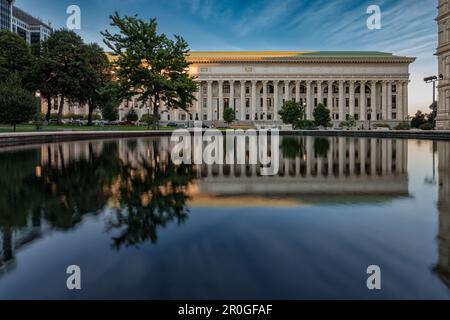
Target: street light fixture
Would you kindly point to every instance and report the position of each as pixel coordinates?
(38, 110)
(433, 80)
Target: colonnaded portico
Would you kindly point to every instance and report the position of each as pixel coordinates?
(364, 85)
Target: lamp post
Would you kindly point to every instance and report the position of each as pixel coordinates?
(433, 80)
(38, 110)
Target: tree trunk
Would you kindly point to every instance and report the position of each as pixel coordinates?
(60, 111)
(49, 109)
(14, 126)
(91, 111)
(156, 114)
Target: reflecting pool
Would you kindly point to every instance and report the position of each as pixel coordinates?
(141, 227)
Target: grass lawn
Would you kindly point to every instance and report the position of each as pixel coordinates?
(49, 128)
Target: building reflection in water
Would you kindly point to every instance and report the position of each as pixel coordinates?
(442, 268)
(55, 186)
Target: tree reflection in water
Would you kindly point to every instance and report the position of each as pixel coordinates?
(142, 196)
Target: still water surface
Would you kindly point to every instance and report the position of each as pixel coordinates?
(141, 227)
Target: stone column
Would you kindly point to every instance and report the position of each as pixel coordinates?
(389, 101)
(242, 100)
(297, 91)
(405, 100)
(384, 100)
(373, 101)
(330, 97)
(400, 100)
(308, 101)
(220, 111)
(276, 102)
(319, 92)
(341, 101)
(362, 99)
(264, 105)
(253, 112)
(352, 98)
(231, 104)
(210, 102)
(286, 90)
(197, 103)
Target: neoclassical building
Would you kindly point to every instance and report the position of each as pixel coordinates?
(364, 85)
(443, 53)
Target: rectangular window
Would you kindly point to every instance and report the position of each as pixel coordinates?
(315, 102)
(394, 116)
(226, 88)
(347, 102)
(205, 117)
(347, 90)
(325, 101)
(269, 102)
(247, 102)
(247, 90)
(369, 102)
(205, 103)
(226, 103)
(356, 103)
(356, 117)
(394, 88)
(205, 90)
(394, 102)
(247, 117)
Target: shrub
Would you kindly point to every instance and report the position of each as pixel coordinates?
(426, 126)
(147, 118)
(404, 125)
(382, 125)
(132, 115)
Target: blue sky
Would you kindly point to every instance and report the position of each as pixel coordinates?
(408, 26)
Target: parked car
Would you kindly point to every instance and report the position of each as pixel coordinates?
(172, 124)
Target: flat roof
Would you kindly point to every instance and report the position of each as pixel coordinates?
(294, 56)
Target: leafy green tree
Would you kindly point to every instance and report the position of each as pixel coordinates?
(132, 115)
(109, 100)
(150, 65)
(42, 75)
(418, 119)
(228, 115)
(322, 116)
(96, 74)
(67, 53)
(15, 55)
(292, 113)
(17, 105)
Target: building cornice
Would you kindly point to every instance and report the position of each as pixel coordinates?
(315, 60)
(303, 77)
